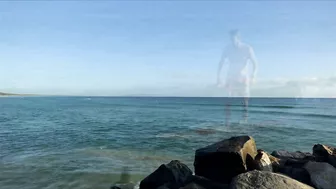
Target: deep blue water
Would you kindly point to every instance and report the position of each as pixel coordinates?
(84, 142)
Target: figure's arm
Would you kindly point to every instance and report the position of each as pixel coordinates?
(220, 65)
(254, 63)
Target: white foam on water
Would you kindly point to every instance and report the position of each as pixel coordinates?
(170, 135)
(137, 185)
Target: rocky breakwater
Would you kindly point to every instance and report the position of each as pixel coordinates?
(235, 163)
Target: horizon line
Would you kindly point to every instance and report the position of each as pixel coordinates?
(149, 96)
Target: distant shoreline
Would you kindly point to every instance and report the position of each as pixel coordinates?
(2, 94)
(14, 95)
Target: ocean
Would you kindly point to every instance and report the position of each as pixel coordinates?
(86, 142)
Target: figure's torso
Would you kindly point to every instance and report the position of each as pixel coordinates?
(238, 57)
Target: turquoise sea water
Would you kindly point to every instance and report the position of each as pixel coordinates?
(84, 142)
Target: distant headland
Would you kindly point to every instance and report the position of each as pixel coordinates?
(7, 94)
(3, 94)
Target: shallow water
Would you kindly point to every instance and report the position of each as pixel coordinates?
(84, 142)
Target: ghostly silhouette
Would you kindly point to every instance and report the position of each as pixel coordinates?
(237, 55)
(125, 181)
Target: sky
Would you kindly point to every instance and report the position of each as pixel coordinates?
(162, 48)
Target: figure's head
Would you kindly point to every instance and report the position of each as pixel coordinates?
(235, 38)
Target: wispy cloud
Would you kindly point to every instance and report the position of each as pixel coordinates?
(278, 87)
(300, 87)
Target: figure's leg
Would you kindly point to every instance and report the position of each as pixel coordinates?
(245, 114)
(246, 102)
(228, 109)
(227, 112)
(242, 93)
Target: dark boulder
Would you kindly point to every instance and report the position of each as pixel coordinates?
(265, 180)
(321, 152)
(282, 154)
(332, 160)
(325, 153)
(322, 175)
(173, 175)
(299, 174)
(291, 164)
(163, 187)
(295, 163)
(192, 186)
(225, 159)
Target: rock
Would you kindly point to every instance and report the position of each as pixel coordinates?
(192, 186)
(322, 151)
(206, 183)
(173, 175)
(325, 153)
(295, 163)
(322, 175)
(276, 162)
(263, 162)
(291, 164)
(265, 180)
(299, 174)
(272, 158)
(332, 160)
(225, 159)
(163, 187)
(282, 154)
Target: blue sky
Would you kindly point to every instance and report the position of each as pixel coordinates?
(163, 48)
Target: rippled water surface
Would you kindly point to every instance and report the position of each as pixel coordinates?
(84, 142)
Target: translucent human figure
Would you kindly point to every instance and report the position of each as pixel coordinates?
(238, 56)
(125, 180)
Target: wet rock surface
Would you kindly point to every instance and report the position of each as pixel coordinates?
(225, 159)
(172, 175)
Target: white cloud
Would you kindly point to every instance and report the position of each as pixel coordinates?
(300, 87)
